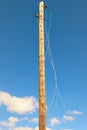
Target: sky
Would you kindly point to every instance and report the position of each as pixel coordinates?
(67, 22)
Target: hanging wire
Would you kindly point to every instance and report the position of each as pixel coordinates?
(49, 52)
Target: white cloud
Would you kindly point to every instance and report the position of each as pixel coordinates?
(54, 121)
(68, 118)
(22, 128)
(27, 128)
(20, 105)
(48, 129)
(75, 112)
(37, 128)
(66, 129)
(10, 123)
(36, 120)
(13, 119)
(24, 119)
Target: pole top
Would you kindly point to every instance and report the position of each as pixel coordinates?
(43, 4)
(42, 1)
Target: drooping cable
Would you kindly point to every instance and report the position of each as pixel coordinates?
(49, 52)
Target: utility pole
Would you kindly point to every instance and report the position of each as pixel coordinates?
(42, 91)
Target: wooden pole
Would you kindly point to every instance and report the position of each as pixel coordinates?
(42, 95)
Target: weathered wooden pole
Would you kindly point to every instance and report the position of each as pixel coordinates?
(42, 95)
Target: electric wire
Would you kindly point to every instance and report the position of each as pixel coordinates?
(50, 57)
(49, 52)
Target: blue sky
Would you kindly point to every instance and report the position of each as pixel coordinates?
(19, 65)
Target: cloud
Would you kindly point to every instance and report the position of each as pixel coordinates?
(27, 128)
(19, 105)
(48, 129)
(66, 129)
(75, 112)
(36, 120)
(11, 122)
(54, 121)
(68, 118)
(37, 128)
(22, 128)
